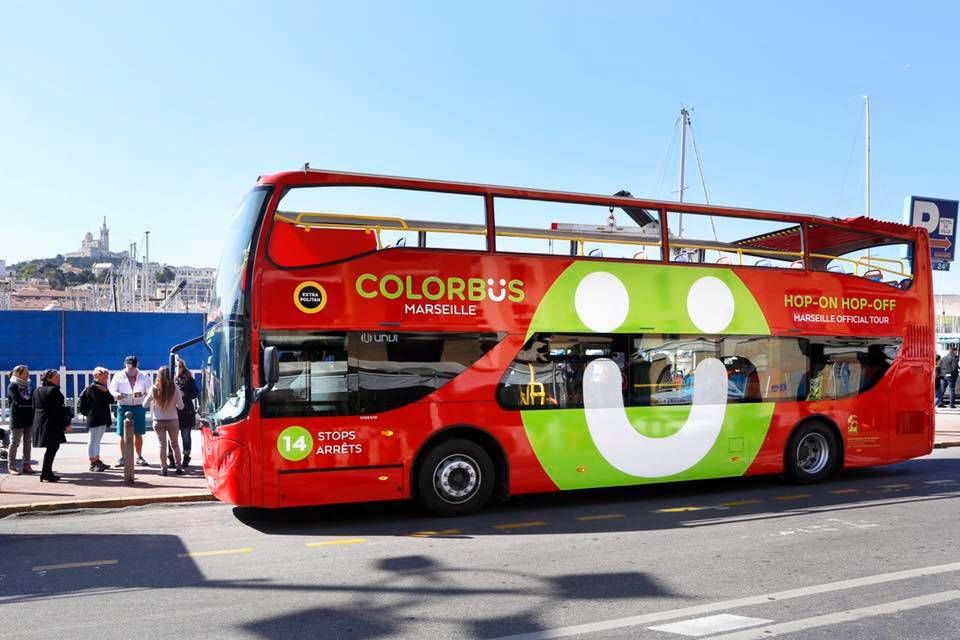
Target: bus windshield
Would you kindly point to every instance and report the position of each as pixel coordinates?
(228, 334)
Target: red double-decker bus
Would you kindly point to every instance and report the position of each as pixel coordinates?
(380, 338)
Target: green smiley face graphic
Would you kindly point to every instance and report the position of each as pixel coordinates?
(608, 444)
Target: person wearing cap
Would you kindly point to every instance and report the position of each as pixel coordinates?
(130, 388)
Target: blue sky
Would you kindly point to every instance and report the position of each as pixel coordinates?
(161, 117)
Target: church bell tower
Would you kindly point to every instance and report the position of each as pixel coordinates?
(104, 236)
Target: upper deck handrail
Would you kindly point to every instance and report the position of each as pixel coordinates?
(377, 224)
(389, 223)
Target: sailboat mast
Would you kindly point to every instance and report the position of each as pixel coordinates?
(683, 147)
(867, 101)
(684, 114)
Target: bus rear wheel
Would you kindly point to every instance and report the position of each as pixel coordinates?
(456, 478)
(812, 453)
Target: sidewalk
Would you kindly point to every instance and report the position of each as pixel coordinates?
(81, 488)
(948, 428)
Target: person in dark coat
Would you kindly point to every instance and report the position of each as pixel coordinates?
(948, 369)
(95, 402)
(938, 382)
(20, 399)
(188, 415)
(50, 421)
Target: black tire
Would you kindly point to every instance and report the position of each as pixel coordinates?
(813, 453)
(455, 478)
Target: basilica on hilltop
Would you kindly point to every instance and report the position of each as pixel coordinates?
(96, 248)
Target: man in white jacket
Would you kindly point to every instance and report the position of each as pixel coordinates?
(130, 388)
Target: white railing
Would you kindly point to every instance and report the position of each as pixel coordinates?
(72, 381)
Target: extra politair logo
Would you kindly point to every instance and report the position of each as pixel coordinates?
(433, 295)
(310, 297)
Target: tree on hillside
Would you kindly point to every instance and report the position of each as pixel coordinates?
(55, 278)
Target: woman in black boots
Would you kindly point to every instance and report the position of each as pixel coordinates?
(188, 415)
(50, 421)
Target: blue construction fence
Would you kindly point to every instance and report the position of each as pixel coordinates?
(82, 340)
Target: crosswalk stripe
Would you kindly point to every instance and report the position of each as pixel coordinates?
(710, 624)
(842, 616)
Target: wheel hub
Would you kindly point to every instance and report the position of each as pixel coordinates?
(456, 478)
(813, 452)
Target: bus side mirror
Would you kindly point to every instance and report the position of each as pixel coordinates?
(271, 366)
(271, 370)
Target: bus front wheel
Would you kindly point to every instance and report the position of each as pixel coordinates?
(456, 477)
(812, 453)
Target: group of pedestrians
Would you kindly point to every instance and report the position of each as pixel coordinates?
(41, 418)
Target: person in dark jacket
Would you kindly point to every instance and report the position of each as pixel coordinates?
(937, 382)
(948, 370)
(188, 415)
(50, 421)
(20, 399)
(95, 404)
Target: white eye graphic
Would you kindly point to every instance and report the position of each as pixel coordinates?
(602, 301)
(710, 305)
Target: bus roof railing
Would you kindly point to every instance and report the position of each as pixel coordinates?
(640, 236)
(386, 223)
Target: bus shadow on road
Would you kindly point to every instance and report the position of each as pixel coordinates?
(625, 509)
(384, 608)
(43, 566)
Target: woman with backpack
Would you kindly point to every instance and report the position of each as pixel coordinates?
(165, 399)
(95, 402)
(51, 421)
(21, 418)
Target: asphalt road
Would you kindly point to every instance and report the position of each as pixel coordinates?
(870, 554)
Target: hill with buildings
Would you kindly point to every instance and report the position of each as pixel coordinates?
(94, 278)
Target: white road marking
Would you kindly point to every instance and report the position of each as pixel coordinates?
(858, 524)
(842, 616)
(814, 528)
(808, 510)
(210, 554)
(749, 601)
(75, 565)
(711, 624)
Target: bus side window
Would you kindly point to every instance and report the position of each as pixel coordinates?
(548, 372)
(315, 376)
(396, 368)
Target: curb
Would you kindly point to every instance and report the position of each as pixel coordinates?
(946, 444)
(105, 503)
